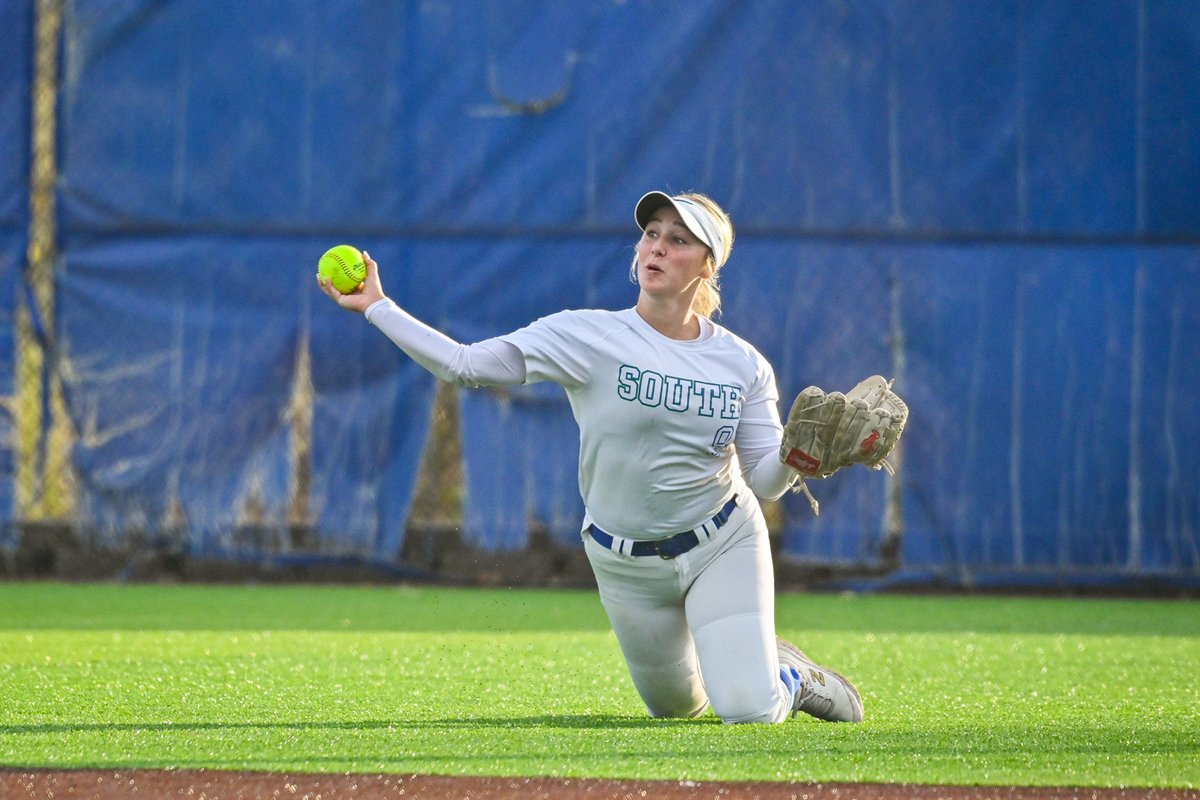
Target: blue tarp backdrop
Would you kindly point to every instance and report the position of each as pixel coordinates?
(15, 109)
(995, 202)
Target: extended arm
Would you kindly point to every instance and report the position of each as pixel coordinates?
(492, 362)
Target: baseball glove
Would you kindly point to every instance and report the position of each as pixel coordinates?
(826, 431)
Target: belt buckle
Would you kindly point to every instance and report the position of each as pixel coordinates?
(658, 545)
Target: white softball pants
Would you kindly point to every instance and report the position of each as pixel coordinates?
(699, 629)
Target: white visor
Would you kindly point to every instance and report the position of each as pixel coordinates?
(696, 217)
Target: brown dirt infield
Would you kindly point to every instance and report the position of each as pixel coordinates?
(99, 784)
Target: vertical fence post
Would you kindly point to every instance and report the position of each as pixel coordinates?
(43, 486)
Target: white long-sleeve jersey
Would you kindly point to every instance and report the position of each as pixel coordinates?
(669, 429)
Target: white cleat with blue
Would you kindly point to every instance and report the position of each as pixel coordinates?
(816, 690)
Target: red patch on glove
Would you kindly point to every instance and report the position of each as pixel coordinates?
(869, 443)
(802, 462)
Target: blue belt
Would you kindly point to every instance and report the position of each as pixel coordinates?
(671, 546)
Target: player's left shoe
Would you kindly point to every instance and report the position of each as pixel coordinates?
(819, 692)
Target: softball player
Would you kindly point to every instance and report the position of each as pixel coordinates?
(679, 437)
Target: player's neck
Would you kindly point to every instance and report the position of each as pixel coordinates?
(673, 320)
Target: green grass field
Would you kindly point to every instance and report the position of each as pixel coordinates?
(1002, 691)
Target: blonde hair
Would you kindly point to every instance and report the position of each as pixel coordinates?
(707, 302)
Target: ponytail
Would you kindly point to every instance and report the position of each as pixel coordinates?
(707, 302)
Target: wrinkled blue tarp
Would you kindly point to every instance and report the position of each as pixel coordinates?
(993, 202)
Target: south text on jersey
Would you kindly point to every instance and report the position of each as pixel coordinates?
(653, 389)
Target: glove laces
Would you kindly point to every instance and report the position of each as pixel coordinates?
(801, 486)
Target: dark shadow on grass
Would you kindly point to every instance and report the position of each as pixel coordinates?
(562, 722)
